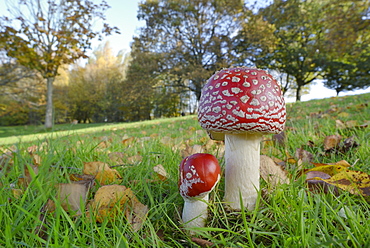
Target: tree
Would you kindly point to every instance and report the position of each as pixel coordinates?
(141, 78)
(347, 45)
(96, 92)
(43, 35)
(195, 38)
(285, 36)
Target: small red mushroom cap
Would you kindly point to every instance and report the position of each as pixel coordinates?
(199, 173)
(242, 99)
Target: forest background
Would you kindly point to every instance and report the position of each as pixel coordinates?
(179, 46)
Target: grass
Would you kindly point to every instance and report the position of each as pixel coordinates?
(289, 216)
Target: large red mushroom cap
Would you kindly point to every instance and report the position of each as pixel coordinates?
(199, 173)
(241, 99)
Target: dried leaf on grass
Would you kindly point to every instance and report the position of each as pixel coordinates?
(303, 155)
(190, 150)
(332, 141)
(202, 242)
(161, 172)
(72, 196)
(272, 173)
(330, 169)
(111, 200)
(6, 160)
(339, 176)
(102, 172)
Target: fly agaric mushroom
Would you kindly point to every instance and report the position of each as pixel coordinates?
(239, 105)
(199, 174)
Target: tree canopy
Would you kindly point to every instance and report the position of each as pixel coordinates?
(195, 38)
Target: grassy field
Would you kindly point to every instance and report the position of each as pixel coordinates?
(289, 216)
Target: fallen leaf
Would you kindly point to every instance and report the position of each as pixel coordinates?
(30, 171)
(36, 159)
(136, 215)
(271, 172)
(135, 159)
(111, 200)
(6, 160)
(290, 159)
(330, 169)
(358, 106)
(331, 142)
(190, 150)
(351, 124)
(102, 172)
(72, 196)
(303, 155)
(17, 193)
(315, 183)
(166, 140)
(343, 114)
(202, 242)
(127, 141)
(117, 157)
(355, 182)
(161, 172)
(279, 139)
(340, 124)
(348, 144)
(83, 177)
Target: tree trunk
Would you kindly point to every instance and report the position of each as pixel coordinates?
(298, 93)
(49, 103)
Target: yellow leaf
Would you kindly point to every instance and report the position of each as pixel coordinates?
(343, 114)
(355, 182)
(330, 169)
(102, 172)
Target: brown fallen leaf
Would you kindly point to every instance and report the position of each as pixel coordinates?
(161, 172)
(303, 155)
(135, 159)
(72, 196)
(189, 150)
(81, 178)
(127, 140)
(117, 157)
(348, 144)
(102, 172)
(202, 242)
(111, 200)
(36, 159)
(340, 124)
(331, 142)
(272, 173)
(30, 171)
(6, 160)
(279, 139)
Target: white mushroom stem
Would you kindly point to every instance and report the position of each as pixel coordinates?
(242, 173)
(195, 212)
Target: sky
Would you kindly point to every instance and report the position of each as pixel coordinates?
(123, 14)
